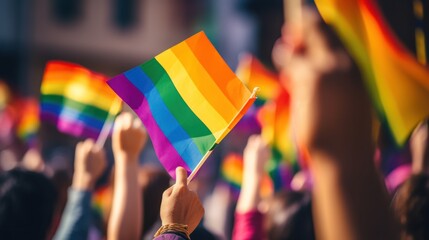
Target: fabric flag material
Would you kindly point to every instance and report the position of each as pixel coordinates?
(77, 100)
(188, 99)
(232, 173)
(254, 74)
(5, 95)
(399, 85)
(28, 122)
(273, 116)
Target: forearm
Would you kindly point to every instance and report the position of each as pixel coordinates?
(126, 215)
(76, 217)
(249, 194)
(350, 201)
(419, 149)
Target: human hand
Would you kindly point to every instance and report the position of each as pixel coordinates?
(179, 205)
(330, 105)
(255, 156)
(89, 164)
(419, 148)
(33, 161)
(129, 137)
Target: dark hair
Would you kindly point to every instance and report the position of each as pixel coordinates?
(411, 204)
(27, 202)
(290, 216)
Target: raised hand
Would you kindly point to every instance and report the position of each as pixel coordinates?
(89, 164)
(129, 137)
(180, 205)
(255, 156)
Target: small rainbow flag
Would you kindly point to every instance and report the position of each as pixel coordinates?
(5, 95)
(188, 99)
(254, 74)
(232, 173)
(76, 100)
(398, 83)
(28, 121)
(273, 116)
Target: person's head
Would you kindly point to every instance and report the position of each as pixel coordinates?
(27, 202)
(289, 216)
(411, 204)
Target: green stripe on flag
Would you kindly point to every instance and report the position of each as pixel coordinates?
(195, 128)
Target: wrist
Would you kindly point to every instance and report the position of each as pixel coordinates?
(181, 229)
(83, 182)
(124, 158)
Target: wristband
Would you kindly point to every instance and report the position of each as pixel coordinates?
(173, 227)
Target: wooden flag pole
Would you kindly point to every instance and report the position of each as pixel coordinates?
(107, 126)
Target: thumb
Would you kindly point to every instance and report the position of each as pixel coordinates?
(181, 177)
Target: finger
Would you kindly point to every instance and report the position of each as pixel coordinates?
(137, 123)
(78, 146)
(181, 177)
(168, 192)
(118, 123)
(127, 120)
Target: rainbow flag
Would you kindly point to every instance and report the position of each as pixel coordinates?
(254, 74)
(232, 173)
(76, 100)
(101, 202)
(273, 116)
(188, 99)
(28, 121)
(399, 85)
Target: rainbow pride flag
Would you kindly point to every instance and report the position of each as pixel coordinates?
(188, 99)
(254, 74)
(232, 174)
(398, 83)
(76, 100)
(273, 116)
(28, 121)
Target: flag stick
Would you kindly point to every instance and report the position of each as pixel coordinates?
(225, 132)
(101, 140)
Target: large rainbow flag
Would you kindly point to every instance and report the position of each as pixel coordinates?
(188, 99)
(399, 85)
(77, 100)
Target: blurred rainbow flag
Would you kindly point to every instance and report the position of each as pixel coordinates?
(5, 95)
(254, 74)
(273, 115)
(28, 121)
(188, 99)
(76, 100)
(102, 201)
(232, 173)
(399, 85)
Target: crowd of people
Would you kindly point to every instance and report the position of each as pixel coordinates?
(333, 119)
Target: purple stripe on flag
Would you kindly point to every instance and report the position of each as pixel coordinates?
(75, 128)
(165, 151)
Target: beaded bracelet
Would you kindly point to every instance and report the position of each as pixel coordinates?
(173, 227)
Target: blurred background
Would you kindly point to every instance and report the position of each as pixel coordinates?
(111, 36)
